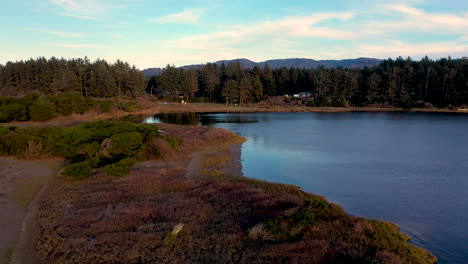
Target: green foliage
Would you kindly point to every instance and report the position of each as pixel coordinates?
(399, 82)
(17, 140)
(79, 171)
(120, 168)
(148, 131)
(289, 227)
(128, 106)
(68, 103)
(78, 76)
(42, 110)
(90, 145)
(128, 143)
(174, 142)
(105, 106)
(11, 112)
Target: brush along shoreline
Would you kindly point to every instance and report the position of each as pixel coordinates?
(164, 107)
(193, 205)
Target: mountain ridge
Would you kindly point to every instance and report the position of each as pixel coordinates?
(279, 63)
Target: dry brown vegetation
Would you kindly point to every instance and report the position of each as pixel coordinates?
(220, 220)
(157, 215)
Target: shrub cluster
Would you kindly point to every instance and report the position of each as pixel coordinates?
(114, 145)
(40, 108)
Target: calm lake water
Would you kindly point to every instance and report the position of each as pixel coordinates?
(407, 168)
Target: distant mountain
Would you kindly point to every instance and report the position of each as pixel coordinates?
(152, 72)
(288, 63)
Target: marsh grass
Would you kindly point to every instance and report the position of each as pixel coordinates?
(215, 162)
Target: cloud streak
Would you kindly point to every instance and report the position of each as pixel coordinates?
(78, 16)
(188, 16)
(399, 48)
(275, 31)
(412, 19)
(76, 45)
(58, 33)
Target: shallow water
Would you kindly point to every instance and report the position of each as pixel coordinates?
(408, 168)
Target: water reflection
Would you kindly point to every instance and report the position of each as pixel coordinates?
(203, 119)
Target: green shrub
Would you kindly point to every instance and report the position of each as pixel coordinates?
(68, 103)
(148, 131)
(105, 106)
(4, 130)
(28, 100)
(78, 170)
(120, 168)
(19, 139)
(128, 106)
(174, 142)
(127, 143)
(13, 112)
(42, 110)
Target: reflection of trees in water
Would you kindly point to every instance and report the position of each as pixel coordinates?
(203, 119)
(178, 118)
(209, 119)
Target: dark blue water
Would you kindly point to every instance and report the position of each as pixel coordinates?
(407, 168)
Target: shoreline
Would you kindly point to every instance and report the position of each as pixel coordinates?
(76, 119)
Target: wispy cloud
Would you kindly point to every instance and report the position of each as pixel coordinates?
(117, 36)
(83, 17)
(59, 33)
(76, 45)
(88, 9)
(412, 19)
(188, 16)
(270, 32)
(399, 48)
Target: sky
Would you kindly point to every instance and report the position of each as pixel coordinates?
(159, 32)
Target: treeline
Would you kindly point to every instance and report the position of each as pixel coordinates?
(79, 76)
(400, 82)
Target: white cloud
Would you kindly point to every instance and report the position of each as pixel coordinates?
(188, 16)
(399, 48)
(416, 20)
(76, 45)
(269, 32)
(83, 17)
(88, 9)
(58, 33)
(117, 36)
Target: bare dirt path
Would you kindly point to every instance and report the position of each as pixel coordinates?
(20, 182)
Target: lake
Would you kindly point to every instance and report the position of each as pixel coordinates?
(407, 168)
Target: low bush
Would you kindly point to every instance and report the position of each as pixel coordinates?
(69, 103)
(13, 112)
(42, 110)
(92, 144)
(78, 170)
(120, 168)
(105, 106)
(160, 149)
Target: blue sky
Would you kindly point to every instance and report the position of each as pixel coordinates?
(160, 32)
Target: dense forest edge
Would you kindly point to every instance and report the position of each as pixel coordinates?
(40, 89)
(401, 83)
(111, 210)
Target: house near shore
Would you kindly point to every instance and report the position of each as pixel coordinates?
(304, 95)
